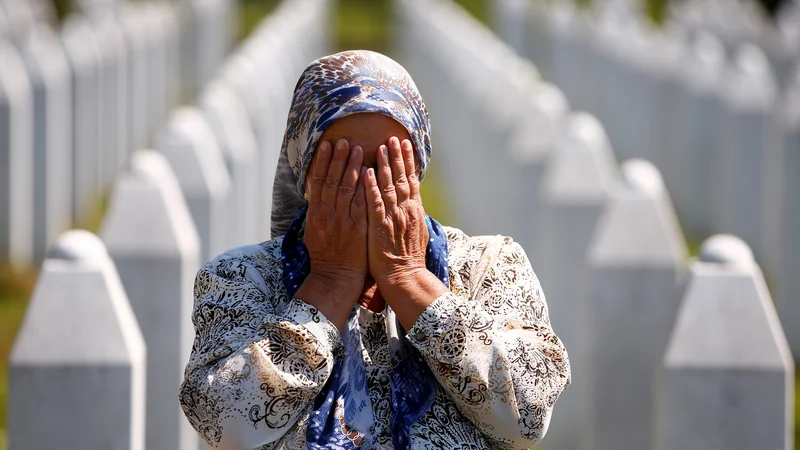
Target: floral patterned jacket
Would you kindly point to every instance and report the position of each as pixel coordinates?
(259, 358)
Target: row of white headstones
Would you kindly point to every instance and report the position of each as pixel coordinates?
(76, 100)
(712, 98)
(99, 358)
(666, 352)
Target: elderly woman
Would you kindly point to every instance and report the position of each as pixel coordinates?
(365, 323)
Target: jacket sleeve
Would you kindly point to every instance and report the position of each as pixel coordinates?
(494, 352)
(255, 367)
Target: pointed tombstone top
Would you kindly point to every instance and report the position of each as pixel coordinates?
(639, 225)
(79, 246)
(223, 109)
(147, 213)
(44, 54)
(20, 17)
(78, 313)
(191, 148)
(643, 177)
(14, 82)
(726, 249)
(545, 109)
(703, 63)
(727, 319)
(80, 42)
(748, 83)
(582, 166)
(665, 49)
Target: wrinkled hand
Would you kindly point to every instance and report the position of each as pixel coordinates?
(398, 235)
(336, 222)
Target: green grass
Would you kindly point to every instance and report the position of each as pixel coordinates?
(15, 289)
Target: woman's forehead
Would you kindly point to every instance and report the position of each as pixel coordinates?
(365, 129)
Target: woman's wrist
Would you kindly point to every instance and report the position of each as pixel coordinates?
(410, 292)
(334, 296)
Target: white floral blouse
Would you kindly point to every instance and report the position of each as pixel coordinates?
(259, 358)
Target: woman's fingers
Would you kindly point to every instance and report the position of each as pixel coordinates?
(330, 187)
(398, 167)
(347, 188)
(385, 182)
(376, 211)
(411, 168)
(358, 208)
(319, 170)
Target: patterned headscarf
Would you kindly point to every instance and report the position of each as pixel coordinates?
(331, 88)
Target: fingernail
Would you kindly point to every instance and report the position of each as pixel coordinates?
(358, 150)
(384, 151)
(370, 172)
(341, 144)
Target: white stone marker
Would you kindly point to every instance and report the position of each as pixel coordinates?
(84, 58)
(137, 30)
(227, 117)
(77, 369)
(578, 179)
(780, 39)
(538, 38)
(510, 19)
(786, 279)
(192, 150)
(150, 236)
(50, 78)
(728, 375)
(20, 17)
(689, 157)
(211, 38)
(748, 156)
(637, 257)
(113, 99)
(241, 74)
(171, 27)
(531, 144)
(156, 49)
(16, 159)
(570, 61)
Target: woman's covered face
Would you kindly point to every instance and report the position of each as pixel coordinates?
(367, 130)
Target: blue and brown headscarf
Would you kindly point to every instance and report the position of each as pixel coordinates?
(330, 88)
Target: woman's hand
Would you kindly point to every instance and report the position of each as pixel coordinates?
(398, 235)
(336, 231)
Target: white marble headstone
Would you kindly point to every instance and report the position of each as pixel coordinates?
(83, 54)
(637, 257)
(16, 159)
(192, 150)
(728, 375)
(577, 182)
(151, 238)
(77, 369)
(748, 154)
(227, 117)
(51, 83)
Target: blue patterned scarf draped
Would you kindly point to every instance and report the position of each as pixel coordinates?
(331, 88)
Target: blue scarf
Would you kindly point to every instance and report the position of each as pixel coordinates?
(412, 384)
